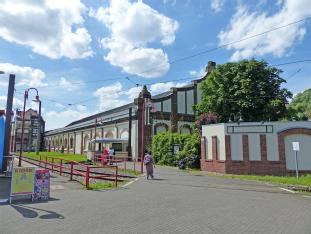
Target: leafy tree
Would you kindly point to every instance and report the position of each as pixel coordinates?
(248, 88)
(300, 106)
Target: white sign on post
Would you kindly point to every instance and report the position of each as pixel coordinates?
(296, 146)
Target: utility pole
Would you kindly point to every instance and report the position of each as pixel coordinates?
(39, 130)
(8, 116)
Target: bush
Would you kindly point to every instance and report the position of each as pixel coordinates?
(162, 148)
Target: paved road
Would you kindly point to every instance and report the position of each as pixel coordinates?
(175, 202)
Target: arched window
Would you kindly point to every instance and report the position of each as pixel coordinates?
(65, 143)
(124, 134)
(109, 134)
(185, 129)
(160, 127)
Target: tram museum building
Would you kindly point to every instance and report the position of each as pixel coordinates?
(171, 110)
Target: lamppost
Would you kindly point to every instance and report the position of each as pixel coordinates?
(96, 123)
(39, 126)
(236, 118)
(23, 121)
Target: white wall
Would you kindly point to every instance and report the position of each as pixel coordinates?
(167, 107)
(254, 147)
(78, 143)
(236, 147)
(190, 101)
(215, 130)
(181, 102)
(304, 155)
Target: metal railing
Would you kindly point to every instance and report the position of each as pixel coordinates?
(73, 168)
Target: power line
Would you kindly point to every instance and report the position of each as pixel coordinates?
(211, 50)
(293, 62)
(240, 40)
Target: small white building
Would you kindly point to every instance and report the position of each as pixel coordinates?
(255, 147)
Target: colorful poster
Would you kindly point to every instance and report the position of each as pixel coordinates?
(22, 180)
(42, 184)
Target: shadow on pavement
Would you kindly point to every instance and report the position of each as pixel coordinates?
(31, 212)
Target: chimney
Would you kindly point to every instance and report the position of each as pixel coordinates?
(211, 65)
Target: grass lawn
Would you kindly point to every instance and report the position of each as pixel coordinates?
(103, 185)
(130, 172)
(73, 157)
(304, 180)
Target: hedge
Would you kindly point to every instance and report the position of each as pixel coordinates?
(162, 145)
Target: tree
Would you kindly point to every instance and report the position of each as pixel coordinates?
(300, 106)
(249, 88)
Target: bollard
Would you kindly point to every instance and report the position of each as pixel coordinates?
(61, 167)
(124, 166)
(116, 179)
(52, 164)
(71, 170)
(87, 177)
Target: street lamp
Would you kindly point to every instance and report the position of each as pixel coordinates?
(39, 125)
(23, 121)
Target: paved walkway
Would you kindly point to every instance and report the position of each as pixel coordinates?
(175, 202)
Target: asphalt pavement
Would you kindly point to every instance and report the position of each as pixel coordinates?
(175, 202)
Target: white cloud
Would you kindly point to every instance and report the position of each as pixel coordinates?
(245, 23)
(199, 73)
(26, 76)
(217, 5)
(57, 119)
(17, 103)
(110, 96)
(53, 28)
(132, 27)
(163, 87)
(133, 93)
(68, 85)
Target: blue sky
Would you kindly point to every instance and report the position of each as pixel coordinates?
(81, 51)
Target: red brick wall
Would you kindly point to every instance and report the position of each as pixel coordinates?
(213, 165)
(245, 166)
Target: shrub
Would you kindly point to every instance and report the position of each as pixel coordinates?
(162, 147)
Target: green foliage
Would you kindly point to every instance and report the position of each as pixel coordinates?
(162, 144)
(250, 88)
(300, 107)
(73, 157)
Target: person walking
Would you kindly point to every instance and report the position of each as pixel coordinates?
(111, 153)
(149, 164)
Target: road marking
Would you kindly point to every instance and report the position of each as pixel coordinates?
(306, 196)
(288, 190)
(129, 183)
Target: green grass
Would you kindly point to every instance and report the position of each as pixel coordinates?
(73, 157)
(105, 185)
(304, 180)
(130, 172)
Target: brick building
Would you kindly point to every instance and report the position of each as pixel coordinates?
(172, 110)
(255, 148)
(31, 131)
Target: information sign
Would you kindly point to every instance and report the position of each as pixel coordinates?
(22, 181)
(296, 146)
